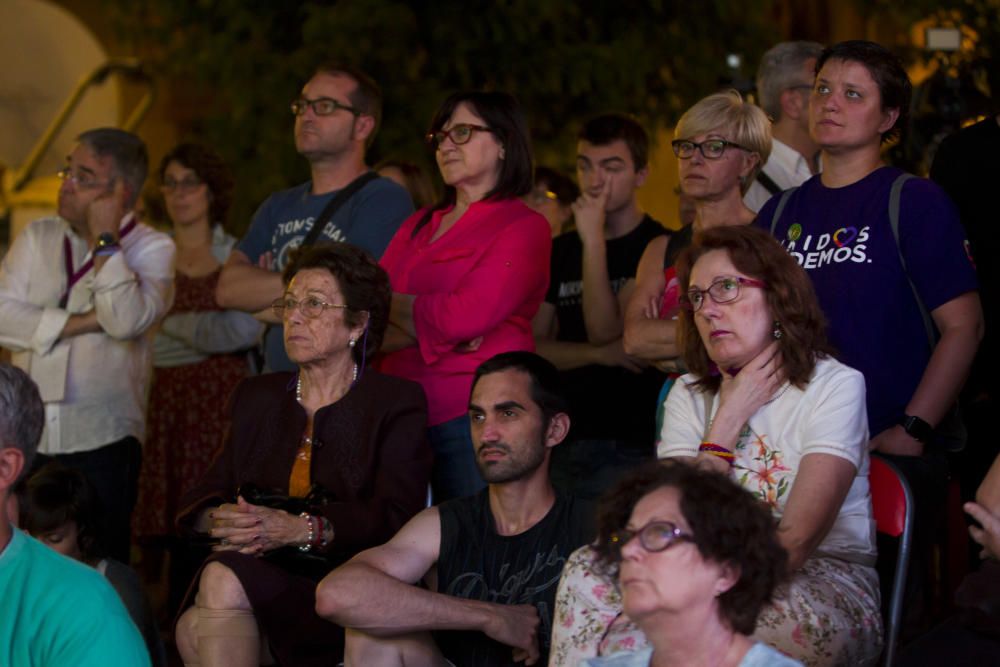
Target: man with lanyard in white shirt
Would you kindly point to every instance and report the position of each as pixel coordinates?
(79, 295)
(784, 81)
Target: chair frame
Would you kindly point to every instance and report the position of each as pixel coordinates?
(889, 489)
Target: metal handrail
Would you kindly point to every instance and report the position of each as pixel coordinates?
(130, 68)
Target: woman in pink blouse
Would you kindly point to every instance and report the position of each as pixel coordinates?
(467, 274)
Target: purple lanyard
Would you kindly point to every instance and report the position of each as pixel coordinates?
(73, 277)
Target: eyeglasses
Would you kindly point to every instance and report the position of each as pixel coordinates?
(722, 290)
(311, 307)
(654, 537)
(186, 184)
(83, 181)
(459, 134)
(712, 149)
(324, 106)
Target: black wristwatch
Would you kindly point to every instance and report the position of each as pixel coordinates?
(107, 244)
(917, 428)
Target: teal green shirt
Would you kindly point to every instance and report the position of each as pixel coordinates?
(56, 612)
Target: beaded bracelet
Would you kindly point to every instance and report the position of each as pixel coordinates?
(312, 533)
(717, 450)
(323, 543)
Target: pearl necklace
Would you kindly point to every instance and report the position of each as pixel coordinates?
(298, 384)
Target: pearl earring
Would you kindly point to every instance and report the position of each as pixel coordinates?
(352, 343)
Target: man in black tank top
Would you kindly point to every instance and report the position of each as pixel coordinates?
(490, 563)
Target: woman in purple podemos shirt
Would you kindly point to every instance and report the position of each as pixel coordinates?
(467, 274)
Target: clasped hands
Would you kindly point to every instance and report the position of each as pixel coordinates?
(255, 529)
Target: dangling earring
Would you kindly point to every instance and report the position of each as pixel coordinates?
(777, 330)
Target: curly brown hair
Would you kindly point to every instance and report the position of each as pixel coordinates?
(211, 169)
(788, 291)
(728, 526)
(364, 284)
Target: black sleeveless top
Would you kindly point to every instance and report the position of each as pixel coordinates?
(478, 564)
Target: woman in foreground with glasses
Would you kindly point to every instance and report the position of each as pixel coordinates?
(764, 403)
(199, 346)
(468, 273)
(695, 558)
(317, 466)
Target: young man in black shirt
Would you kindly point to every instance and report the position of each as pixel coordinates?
(579, 326)
(490, 562)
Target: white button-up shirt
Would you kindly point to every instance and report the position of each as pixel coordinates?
(786, 167)
(94, 385)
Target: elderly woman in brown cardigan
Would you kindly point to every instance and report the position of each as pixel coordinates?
(340, 448)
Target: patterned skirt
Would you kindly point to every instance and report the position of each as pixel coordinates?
(186, 424)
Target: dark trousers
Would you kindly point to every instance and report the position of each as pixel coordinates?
(114, 471)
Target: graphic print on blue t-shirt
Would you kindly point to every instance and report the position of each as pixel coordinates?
(369, 219)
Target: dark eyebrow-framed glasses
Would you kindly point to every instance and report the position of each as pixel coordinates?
(711, 149)
(459, 134)
(723, 290)
(654, 537)
(310, 306)
(323, 106)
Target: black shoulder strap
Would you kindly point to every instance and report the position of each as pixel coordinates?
(895, 195)
(678, 241)
(768, 182)
(335, 203)
(781, 207)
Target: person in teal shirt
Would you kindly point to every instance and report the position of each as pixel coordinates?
(55, 611)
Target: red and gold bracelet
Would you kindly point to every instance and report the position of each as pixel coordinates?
(717, 450)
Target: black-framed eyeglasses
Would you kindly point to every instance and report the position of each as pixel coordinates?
(654, 537)
(310, 306)
(185, 184)
(84, 181)
(323, 106)
(711, 149)
(459, 134)
(723, 290)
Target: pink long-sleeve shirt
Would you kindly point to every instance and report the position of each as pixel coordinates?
(486, 276)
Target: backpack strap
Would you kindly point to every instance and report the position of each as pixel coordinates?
(781, 207)
(895, 196)
(334, 205)
(768, 183)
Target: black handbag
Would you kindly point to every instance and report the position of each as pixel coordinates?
(306, 563)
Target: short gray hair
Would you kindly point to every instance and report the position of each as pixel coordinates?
(127, 152)
(781, 69)
(22, 413)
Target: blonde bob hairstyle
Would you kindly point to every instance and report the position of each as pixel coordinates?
(738, 121)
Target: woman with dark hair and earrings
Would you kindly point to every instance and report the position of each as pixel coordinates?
(468, 273)
(765, 404)
(317, 466)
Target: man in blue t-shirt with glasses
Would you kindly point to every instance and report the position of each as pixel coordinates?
(336, 117)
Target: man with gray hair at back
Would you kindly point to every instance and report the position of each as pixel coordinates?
(55, 611)
(784, 82)
(79, 295)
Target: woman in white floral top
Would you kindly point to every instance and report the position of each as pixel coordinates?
(765, 403)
